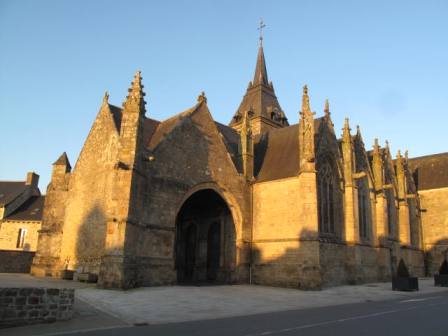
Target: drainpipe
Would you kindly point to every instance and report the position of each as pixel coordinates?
(251, 231)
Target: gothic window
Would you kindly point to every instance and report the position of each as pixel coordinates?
(363, 209)
(326, 190)
(390, 213)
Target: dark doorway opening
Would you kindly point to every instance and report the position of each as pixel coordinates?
(205, 240)
(213, 250)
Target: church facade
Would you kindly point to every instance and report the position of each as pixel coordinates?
(190, 200)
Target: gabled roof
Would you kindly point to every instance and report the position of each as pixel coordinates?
(430, 172)
(31, 210)
(9, 190)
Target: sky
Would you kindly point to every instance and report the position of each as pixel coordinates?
(382, 64)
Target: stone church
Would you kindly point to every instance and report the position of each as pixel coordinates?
(190, 200)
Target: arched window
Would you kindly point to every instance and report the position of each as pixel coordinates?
(391, 213)
(363, 210)
(326, 200)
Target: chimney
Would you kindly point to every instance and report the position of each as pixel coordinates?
(32, 179)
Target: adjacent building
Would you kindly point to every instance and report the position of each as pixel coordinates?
(21, 205)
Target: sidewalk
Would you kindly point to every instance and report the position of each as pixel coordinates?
(155, 305)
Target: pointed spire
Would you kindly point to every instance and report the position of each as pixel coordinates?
(261, 100)
(306, 134)
(261, 74)
(63, 161)
(136, 94)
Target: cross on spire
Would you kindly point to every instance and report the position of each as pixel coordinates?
(260, 28)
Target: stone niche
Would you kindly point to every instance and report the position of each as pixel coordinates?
(22, 306)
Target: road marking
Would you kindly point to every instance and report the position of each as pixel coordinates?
(359, 317)
(422, 299)
(79, 331)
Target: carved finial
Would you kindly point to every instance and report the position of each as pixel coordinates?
(387, 144)
(398, 154)
(358, 130)
(346, 131)
(376, 146)
(106, 98)
(136, 94)
(327, 107)
(246, 126)
(305, 101)
(202, 98)
(406, 155)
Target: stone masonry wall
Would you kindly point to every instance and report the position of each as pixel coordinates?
(434, 205)
(89, 196)
(15, 261)
(286, 249)
(47, 261)
(20, 306)
(191, 157)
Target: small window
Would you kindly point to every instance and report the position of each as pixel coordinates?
(21, 238)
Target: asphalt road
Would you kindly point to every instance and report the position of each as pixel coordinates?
(423, 315)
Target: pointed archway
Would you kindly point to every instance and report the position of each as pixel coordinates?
(205, 240)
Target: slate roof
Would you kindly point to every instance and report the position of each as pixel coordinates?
(163, 128)
(63, 161)
(31, 210)
(277, 154)
(149, 128)
(116, 114)
(9, 190)
(430, 172)
(231, 140)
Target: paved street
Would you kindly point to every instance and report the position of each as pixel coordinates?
(423, 315)
(369, 309)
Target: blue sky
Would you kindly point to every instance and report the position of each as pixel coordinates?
(383, 64)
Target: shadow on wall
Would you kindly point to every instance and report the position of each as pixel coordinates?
(90, 244)
(319, 262)
(435, 256)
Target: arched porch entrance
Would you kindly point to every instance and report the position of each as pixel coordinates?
(205, 240)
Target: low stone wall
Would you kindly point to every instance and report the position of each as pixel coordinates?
(20, 306)
(15, 261)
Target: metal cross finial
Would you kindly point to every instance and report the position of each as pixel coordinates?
(260, 28)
